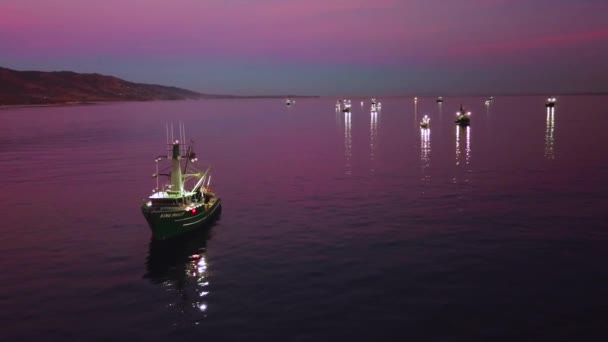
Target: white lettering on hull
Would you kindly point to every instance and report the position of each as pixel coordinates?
(172, 215)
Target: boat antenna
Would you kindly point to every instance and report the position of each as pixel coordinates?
(188, 156)
(167, 135)
(183, 127)
(156, 174)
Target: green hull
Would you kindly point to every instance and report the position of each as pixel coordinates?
(167, 224)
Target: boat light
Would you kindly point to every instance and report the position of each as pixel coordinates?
(149, 203)
(193, 211)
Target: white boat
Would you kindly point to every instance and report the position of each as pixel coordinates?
(347, 106)
(426, 122)
(463, 118)
(376, 105)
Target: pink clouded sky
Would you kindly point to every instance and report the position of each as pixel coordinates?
(163, 40)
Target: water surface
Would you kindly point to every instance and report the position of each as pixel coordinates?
(353, 226)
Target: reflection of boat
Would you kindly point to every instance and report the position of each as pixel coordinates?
(440, 99)
(348, 143)
(550, 134)
(167, 260)
(373, 138)
(173, 210)
(180, 265)
(550, 102)
(467, 144)
(426, 122)
(425, 149)
(463, 118)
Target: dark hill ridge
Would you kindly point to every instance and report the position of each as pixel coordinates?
(38, 87)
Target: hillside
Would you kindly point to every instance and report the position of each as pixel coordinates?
(37, 87)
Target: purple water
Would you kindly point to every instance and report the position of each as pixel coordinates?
(338, 227)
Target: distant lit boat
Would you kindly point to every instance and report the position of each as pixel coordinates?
(426, 122)
(289, 102)
(489, 100)
(463, 118)
(376, 105)
(415, 100)
(550, 102)
(173, 210)
(347, 106)
(440, 99)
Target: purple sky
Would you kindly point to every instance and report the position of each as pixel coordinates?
(327, 47)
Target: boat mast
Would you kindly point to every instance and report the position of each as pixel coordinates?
(187, 155)
(176, 172)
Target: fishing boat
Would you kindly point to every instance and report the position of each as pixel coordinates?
(463, 118)
(550, 102)
(489, 100)
(288, 102)
(172, 209)
(347, 106)
(376, 106)
(426, 122)
(440, 99)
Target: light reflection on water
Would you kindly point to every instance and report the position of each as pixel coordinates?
(425, 153)
(550, 134)
(460, 131)
(373, 137)
(299, 241)
(348, 143)
(181, 266)
(425, 147)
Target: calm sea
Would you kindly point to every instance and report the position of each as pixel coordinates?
(357, 227)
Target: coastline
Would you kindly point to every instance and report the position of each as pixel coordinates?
(65, 104)
(89, 103)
